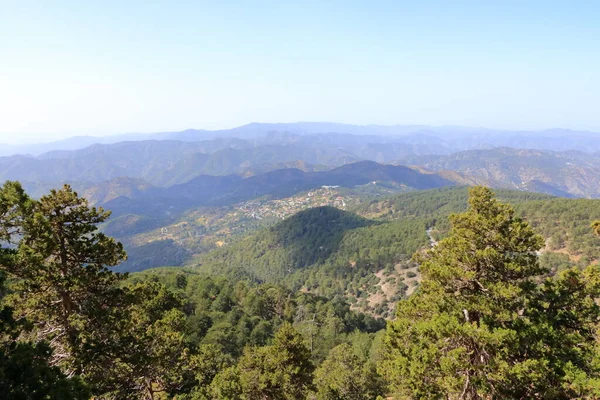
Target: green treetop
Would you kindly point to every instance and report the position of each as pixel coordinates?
(482, 327)
(25, 372)
(282, 370)
(61, 266)
(344, 376)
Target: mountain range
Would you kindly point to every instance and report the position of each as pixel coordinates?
(135, 197)
(565, 174)
(177, 158)
(163, 181)
(450, 138)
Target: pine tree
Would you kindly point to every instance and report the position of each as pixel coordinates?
(61, 266)
(482, 327)
(25, 371)
(14, 206)
(154, 358)
(282, 370)
(125, 341)
(226, 385)
(343, 376)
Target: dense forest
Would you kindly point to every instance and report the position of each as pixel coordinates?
(271, 316)
(202, 230)
(364, 254)
(322, 250)
(564, 223)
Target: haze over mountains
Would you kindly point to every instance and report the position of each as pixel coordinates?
(450, 138)
(207, 190)
(558, 162)
(174, 194)
(566, 174)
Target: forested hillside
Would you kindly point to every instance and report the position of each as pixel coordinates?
(324, 251)
(156, 186)
(164, 237)
(233, 314)
(327, 252)
(266, 318)
(562, 222)
(153, 241)
(208, 190)
(74, 329)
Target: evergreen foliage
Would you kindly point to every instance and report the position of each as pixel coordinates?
(25, 370)
(488, 320)
(564, 223)
(324, 250)
(282, 370)
(480, 326)
(344, 376)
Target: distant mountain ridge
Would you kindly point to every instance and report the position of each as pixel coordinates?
(565, 174)
(165, 163)
(208, 190)
(463, 138)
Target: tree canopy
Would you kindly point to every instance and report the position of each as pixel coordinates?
(487, 321)
(482, 327)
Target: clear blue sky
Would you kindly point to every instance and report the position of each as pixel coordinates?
(103, 67)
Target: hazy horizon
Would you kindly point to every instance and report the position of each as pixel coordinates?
(41, 138)
(96, 69)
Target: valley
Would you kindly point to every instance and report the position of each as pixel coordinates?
(180, 219)
(231, 241)
(181, 200)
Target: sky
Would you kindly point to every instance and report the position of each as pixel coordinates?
(105, 67)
